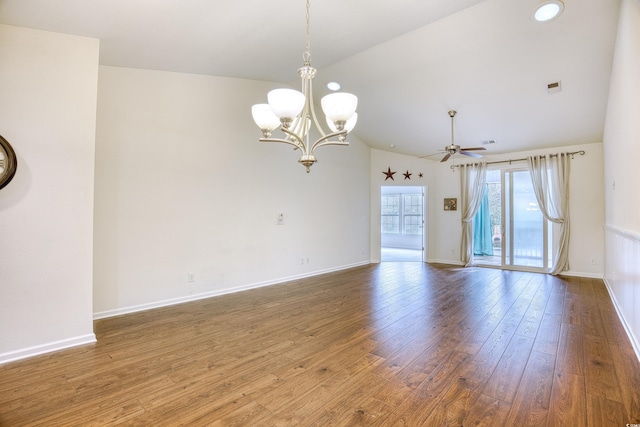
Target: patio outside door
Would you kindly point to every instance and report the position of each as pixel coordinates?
(513, 233)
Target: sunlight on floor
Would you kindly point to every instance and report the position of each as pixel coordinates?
(400, 255)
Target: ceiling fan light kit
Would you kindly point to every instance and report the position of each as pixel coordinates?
(293, 111)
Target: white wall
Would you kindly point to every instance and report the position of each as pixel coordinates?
(444, 227)
(448, 233)
(622, 174)
(183, 186)
(48, 87)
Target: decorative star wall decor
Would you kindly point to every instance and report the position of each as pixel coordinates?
(407, 175)
(388, 174)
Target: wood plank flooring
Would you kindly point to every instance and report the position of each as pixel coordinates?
(392, 344)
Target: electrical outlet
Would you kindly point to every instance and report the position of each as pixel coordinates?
(191, 277)
(279, 218)
(593, 261)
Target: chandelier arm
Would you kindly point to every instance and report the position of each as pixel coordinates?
(318, 127)
(300, 128)
(324, 140)
(312, 112)
(284, 141)
(343, 143)
(298, 142)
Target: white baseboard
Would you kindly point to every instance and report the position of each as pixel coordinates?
(46, 348)
(634, 342)
(579, 274)
(195, 297)
(445, 261)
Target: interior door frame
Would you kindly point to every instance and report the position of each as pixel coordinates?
(423, 189)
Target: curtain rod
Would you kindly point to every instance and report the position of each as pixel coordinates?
(581, 152)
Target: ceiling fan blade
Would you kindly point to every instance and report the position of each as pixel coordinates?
(477, 156)
(445, 158)
(473, 149)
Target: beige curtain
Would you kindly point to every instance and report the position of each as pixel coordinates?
(472, 181)
(550, 177)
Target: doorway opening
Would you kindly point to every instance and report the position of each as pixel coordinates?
(402, 224)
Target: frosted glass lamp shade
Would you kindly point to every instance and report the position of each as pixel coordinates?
(351, 123)
(286, 103)
(339, 106)
(264, 117)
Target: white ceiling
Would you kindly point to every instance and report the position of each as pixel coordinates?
(409, 61)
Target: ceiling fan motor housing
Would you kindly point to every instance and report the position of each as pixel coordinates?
(452, 149)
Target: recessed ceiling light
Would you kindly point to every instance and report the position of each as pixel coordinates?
(333, 86)
(548, 10)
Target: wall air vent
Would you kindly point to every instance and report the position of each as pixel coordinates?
(554, 87)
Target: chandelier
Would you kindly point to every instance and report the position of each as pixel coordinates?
(294, 113)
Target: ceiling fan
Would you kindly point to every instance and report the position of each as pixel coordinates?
(454, 149)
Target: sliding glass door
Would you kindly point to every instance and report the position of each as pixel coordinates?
(514, 232)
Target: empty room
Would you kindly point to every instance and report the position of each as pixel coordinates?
(311, 213)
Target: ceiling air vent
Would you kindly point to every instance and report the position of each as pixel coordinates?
(554, 87)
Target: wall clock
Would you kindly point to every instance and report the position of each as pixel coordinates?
(8, 162)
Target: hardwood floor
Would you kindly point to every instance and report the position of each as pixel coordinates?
(393, 344)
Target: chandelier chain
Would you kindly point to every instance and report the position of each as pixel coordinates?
(306, 56)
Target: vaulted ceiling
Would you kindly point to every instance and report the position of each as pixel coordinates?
(409, 61)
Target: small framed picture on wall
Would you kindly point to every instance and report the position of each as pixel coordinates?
(451, 204)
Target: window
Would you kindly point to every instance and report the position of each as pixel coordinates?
(412, 210)
(401, 214)
(390, 214)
